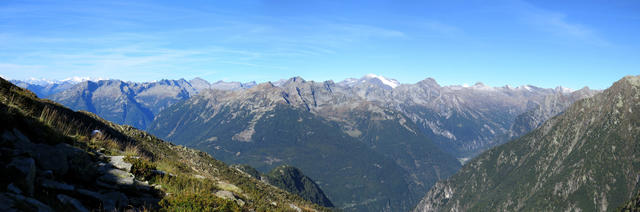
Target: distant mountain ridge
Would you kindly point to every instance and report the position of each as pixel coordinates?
(550, 106)
(462, 120)
(44, 88)
(128, 103)
(133, 103)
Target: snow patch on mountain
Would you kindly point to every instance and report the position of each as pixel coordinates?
(390, 82)
(77, 79)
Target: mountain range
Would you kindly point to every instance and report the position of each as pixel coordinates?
(453, 116)
(371, 143)
(585, 159)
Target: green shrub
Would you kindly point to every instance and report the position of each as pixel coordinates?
(142, 169)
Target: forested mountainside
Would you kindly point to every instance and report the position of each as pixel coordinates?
(290, 179)
(583, 159)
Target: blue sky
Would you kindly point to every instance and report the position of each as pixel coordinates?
(515, 42)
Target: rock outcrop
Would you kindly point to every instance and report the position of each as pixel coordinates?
(36, 169)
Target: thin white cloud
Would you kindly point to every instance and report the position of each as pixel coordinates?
(116, 62)
(439, 27)
(11, 67)
(557, 23)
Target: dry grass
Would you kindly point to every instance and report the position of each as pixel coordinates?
(171, 166)
(107, 144)
(131, 151)
(52, 118)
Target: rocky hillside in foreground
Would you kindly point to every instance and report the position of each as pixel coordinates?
(55, 159)
(364, 156)
(584, 159)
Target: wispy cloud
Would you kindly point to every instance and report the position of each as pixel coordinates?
(360, 31)
(557, 23)
(68, 44)
(304, 37)
(439, 27)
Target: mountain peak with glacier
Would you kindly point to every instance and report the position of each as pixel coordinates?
(371, 79)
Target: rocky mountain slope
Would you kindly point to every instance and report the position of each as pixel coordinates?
(363, 156)
(55, 159)
(584, 159)
(632, 205)
(290, 179)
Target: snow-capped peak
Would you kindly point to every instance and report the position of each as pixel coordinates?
(37, 81)
(390, 82)
(77, 79)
